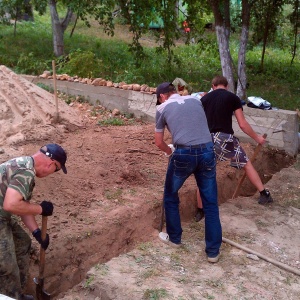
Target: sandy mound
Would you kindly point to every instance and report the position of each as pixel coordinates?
(27, 112)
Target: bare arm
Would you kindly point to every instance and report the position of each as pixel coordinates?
(14, 203)
(30, 222)
(160, 143)
(245, 126)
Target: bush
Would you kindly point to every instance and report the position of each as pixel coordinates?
(82, 64)
(28, 64)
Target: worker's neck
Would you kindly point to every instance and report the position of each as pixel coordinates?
(220, 87)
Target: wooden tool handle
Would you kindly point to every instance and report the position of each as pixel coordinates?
(256, 151)
(55, 87)
(42, 251)
(162, 216)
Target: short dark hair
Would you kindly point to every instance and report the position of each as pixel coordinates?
(219, 80)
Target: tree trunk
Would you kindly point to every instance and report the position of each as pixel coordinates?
(223, 35)
(242, 78)
(296, 22)
(58, 28)
(225, 56)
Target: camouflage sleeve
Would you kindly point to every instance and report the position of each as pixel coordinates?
(23, 182)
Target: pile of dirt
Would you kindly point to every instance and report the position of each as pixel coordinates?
(28, 112)
(109, 204)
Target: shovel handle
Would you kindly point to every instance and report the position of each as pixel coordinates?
(161, 225)
(256, 151)
(54, 86)
(42, 251)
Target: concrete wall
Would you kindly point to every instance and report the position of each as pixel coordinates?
(127, 101)
(281, 126)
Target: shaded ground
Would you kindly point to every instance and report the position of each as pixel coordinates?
(107, 211)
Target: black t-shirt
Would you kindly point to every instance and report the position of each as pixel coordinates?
(219, 106)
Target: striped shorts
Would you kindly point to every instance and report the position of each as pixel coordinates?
(227, 147)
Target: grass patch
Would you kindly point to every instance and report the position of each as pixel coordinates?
(102, 269)
(155, 294)
(88, 283)
(113, 195)
(111, 122)
(150, 273)
(145, 246)
(295, 202)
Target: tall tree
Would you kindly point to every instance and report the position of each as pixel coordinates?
(266, 18)
(58, 27)
(100, 10)
(295, 21)
(221, 11)
(241, 68)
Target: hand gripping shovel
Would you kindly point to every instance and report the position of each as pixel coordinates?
(41, 294)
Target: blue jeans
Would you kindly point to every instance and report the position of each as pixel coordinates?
(202, 163)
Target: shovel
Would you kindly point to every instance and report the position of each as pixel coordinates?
(256, 151)
(41, 294)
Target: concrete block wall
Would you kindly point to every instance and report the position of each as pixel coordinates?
(281, 126)
(127, 101)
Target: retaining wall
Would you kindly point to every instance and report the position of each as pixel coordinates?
(281, 126)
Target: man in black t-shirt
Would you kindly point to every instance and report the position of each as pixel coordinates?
(219, 105)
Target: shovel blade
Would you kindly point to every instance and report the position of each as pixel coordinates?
(41, 294)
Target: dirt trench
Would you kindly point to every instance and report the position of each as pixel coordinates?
(110, 200)
(96, 232)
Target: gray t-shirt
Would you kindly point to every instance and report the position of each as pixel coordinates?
(185, 118)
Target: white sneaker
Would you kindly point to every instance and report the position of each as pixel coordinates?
(164, 237)
(213, 259)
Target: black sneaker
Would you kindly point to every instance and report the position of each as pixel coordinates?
(199, 214)
(265, 198)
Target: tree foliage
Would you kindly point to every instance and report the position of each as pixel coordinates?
(15, 10)
(229, 16)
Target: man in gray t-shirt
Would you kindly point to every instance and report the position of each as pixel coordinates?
(192, 152)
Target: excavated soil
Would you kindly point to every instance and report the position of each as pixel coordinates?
(107, 210)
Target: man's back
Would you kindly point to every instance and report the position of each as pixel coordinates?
(185, 118)
(219, 105)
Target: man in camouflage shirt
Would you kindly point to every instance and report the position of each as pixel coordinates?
(17, 180)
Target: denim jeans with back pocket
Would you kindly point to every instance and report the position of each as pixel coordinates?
(201, 162)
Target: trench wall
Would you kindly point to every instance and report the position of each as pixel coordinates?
(281, 126)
